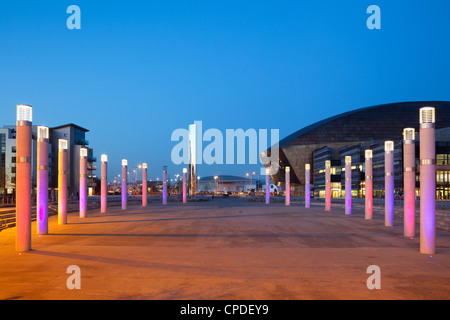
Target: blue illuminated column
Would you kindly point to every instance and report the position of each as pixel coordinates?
(307, 185)
(83, 182)
(288, 186)
(427, 180)
(62, 181)
(164, 195)
(124, 184)
(389, 183)
(42, 180)
(409, 182)
(348, 185)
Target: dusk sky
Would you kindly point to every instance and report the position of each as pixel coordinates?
(138, 70)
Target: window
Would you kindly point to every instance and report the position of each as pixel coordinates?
(13, 149)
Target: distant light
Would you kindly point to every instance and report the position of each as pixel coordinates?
(144, 166)
(42, 132)
(288, 169)
(327, 164)
(104, 158)
(184, 170)
(62, 144)
(348, 160)
(124, 162)
(389, 146)
(24, 112)
(369, 154)
(307, 166)
(83, 152)
(409, 134)
(427, 115)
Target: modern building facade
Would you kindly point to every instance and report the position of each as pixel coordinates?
(350, 134)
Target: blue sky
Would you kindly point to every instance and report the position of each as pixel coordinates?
(138, 70)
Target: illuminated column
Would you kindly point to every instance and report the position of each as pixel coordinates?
(389, 183)
(193, 159)
(104, 183)
(62, 181)
(184, 184)
(164, 195)
(307, 185)
(348, 185)
(83, 182)
(144, 185)
(267, 186)
(42, 180)
(369, 184)
(23, 178)
(124, 184)
(327, 185)
(288, 186)
(427, 180)
(409, 182)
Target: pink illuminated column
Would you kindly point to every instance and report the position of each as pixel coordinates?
(307, 185)
(427, 181)
(164, 195)
(23, 178)
(83, 182)
(368, 185)
(409, 182)
(144, 185)
(288, 186)
(62, 181)
(124, 184)
(348, 185)
(42, 180)
(389, 183)
(184, 184)
(327, 185)
(104, 183)
(267, 186)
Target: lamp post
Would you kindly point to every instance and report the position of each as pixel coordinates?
(42, 180)
(368, 185)
(83, 182)
(144, 185)
(23, 178)
(327, 185)
(288, 186)
(184, 184)
(62, 181)
(267, 186)
(427, 180)
(307, 185)
(348, 185)
(164, 195)
(409, 182)
(104, 183)
(389, 183)
(124, 184)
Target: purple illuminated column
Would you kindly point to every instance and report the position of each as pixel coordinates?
(307, 185)
(62, 181)
(267, 186)
(348, 185)
(104, 183)
(124, 184)
(23, 178)
(409, 182)
(164, 195)
(42, 180)
(368, 185)
(288, 186)
(327, 185)
(144, 185)
(389, 183)
(427, 181)
(184, 184)
(83, 182)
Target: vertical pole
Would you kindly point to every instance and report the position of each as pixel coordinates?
(327, 185)
(427, 181)
(409, 182)
(369, 185)
(348, 185)
(144, 185)
(124, 184)
(288, 186)
(42, 180)
(307, 185)
(23, 178)
(83, 182)
(184, 184)
(267, 187)
(164, 196)
(104, 183)
(389, 183)
(62, 181)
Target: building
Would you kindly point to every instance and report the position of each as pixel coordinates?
(349, 134)
(76, 140)
(225, 183)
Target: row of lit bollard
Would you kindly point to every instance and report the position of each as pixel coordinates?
(23, 180)
(427, 182)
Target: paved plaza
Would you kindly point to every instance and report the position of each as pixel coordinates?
(224, 249)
